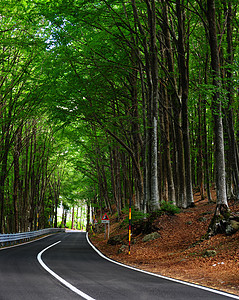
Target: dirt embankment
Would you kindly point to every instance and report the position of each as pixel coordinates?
(176, 253)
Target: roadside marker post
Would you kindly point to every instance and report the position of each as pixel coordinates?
(37, 220)
(129, 223)
(105, 220)
(50, 220)
(94, 225)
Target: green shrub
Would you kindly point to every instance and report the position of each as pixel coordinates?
(169, 208)
(144, 223)
(136, 215)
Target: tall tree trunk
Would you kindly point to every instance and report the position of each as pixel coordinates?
(16, 156)
(206, 158)
(145, 183)
(5, 144)
(222, 205)
(200, 170)
(153, 107)
(183, 68)
(2, 193)
(166, 139)
(205, 135)
(216, 107)
(233, 147)
(32, 158)
(135, 129)
(73, 217)
(176, 182)
(181, 201)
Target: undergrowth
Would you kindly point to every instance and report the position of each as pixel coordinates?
(144, 222)
(169, 208)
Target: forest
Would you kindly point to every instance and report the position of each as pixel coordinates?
(106, 101)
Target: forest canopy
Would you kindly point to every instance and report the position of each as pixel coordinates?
(106, 101)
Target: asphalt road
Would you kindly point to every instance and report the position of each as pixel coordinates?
(65, 266)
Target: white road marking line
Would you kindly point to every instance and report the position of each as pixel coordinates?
(63, 281)
(161, 276)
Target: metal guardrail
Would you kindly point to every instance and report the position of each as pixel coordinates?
(13, 238)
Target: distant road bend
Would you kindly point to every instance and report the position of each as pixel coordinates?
(66, 266)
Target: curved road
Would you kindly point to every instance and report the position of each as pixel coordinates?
(65, 266)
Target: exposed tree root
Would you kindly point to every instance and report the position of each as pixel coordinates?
(223, 221)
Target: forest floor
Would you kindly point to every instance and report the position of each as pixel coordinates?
(176, 253)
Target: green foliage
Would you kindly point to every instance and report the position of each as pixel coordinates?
(169, 208)
(136, 215)
(82, 60)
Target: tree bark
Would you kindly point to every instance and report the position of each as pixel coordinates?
(153, 108)
(16, 181)
(222, 205)
(233, 147)
(183, 68)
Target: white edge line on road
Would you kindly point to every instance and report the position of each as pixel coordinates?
(63, 281)
(161, 276)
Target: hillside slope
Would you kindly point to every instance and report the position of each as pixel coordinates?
(177, 253)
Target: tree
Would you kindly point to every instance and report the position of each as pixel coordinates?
(130, 87)
(217, 110)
